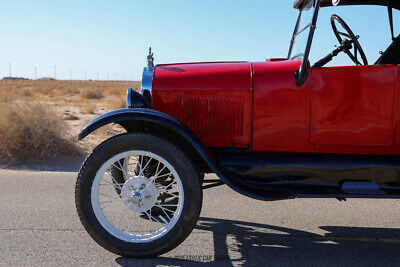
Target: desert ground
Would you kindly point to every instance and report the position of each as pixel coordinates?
(43, 117)
(40, 157)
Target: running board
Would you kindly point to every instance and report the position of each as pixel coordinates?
(361, 188)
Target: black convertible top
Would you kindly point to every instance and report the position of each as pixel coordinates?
(394, 3)
(324, 3)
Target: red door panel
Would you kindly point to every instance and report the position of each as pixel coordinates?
(281, 114)
(353, 105)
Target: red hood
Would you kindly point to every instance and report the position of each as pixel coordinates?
(213, 76)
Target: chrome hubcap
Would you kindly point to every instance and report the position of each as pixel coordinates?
(137, 196)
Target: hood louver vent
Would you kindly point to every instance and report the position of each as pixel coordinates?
(222, 116)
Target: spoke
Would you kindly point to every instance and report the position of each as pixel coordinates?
(163, 219)
(166, 186)
(163, 175)
(144, 168)
(116, 185)
(140, 164)
(132, 223)
(168, 205)
(111, 214)
(158, 166)
(174, 196)
(122, 213)
(121, 168)
(111, 184)
(157, 173)
(170, 192)
(165, 209)
(138, 224)
(153, 222)
(110, 202)
(108, 196)
(113, 164)
(124, 166)
(119, 163)
(152, 179)
(119, 187)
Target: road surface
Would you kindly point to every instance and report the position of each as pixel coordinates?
(39, 225)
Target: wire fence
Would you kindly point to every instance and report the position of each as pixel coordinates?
(12, 71)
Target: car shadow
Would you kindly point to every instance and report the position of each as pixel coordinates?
(58, 164)
(254, 244)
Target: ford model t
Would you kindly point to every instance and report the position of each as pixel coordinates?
(272, 130)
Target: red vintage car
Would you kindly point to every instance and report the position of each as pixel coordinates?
(272, 130)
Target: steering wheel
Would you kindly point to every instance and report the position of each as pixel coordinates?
(350, 38)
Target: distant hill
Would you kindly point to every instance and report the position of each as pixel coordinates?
(15, 78)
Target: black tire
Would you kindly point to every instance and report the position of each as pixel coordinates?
(190, 181)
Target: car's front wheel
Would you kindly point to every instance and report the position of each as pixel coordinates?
(120, 215)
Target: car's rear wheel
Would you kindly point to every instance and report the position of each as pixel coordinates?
(152, 210)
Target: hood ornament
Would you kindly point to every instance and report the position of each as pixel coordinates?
(150, 61)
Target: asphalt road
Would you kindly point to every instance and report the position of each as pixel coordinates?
(39, 225)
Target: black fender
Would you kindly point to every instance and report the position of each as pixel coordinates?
(121, 116)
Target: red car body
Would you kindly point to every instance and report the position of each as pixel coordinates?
(281, 128)
(340, 110)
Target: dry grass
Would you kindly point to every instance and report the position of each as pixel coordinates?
(116, 103)
(32, 132)
(54, 88)
(60, 110)
(92, 93)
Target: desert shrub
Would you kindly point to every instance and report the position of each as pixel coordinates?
(68, 116)
(26, 92)
(72, 91)
(88, 108)
(92, 93)
(32, 132)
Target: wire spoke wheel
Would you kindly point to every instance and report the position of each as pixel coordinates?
(138, 195)
(142, 204)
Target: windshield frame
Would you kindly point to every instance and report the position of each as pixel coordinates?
(302, 74)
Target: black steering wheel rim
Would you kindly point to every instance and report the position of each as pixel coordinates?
(352, 37)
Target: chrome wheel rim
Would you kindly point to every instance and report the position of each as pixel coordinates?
(143, 208)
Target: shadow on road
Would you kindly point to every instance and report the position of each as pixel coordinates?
(59, 164)
(243, 243)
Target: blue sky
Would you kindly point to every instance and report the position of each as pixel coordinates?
(111, 38)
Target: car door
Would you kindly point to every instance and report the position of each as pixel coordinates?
(353, 105)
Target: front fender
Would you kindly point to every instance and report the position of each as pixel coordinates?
(137, 115)
(131, 114)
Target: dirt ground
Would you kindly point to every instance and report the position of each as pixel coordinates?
(75, 102)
